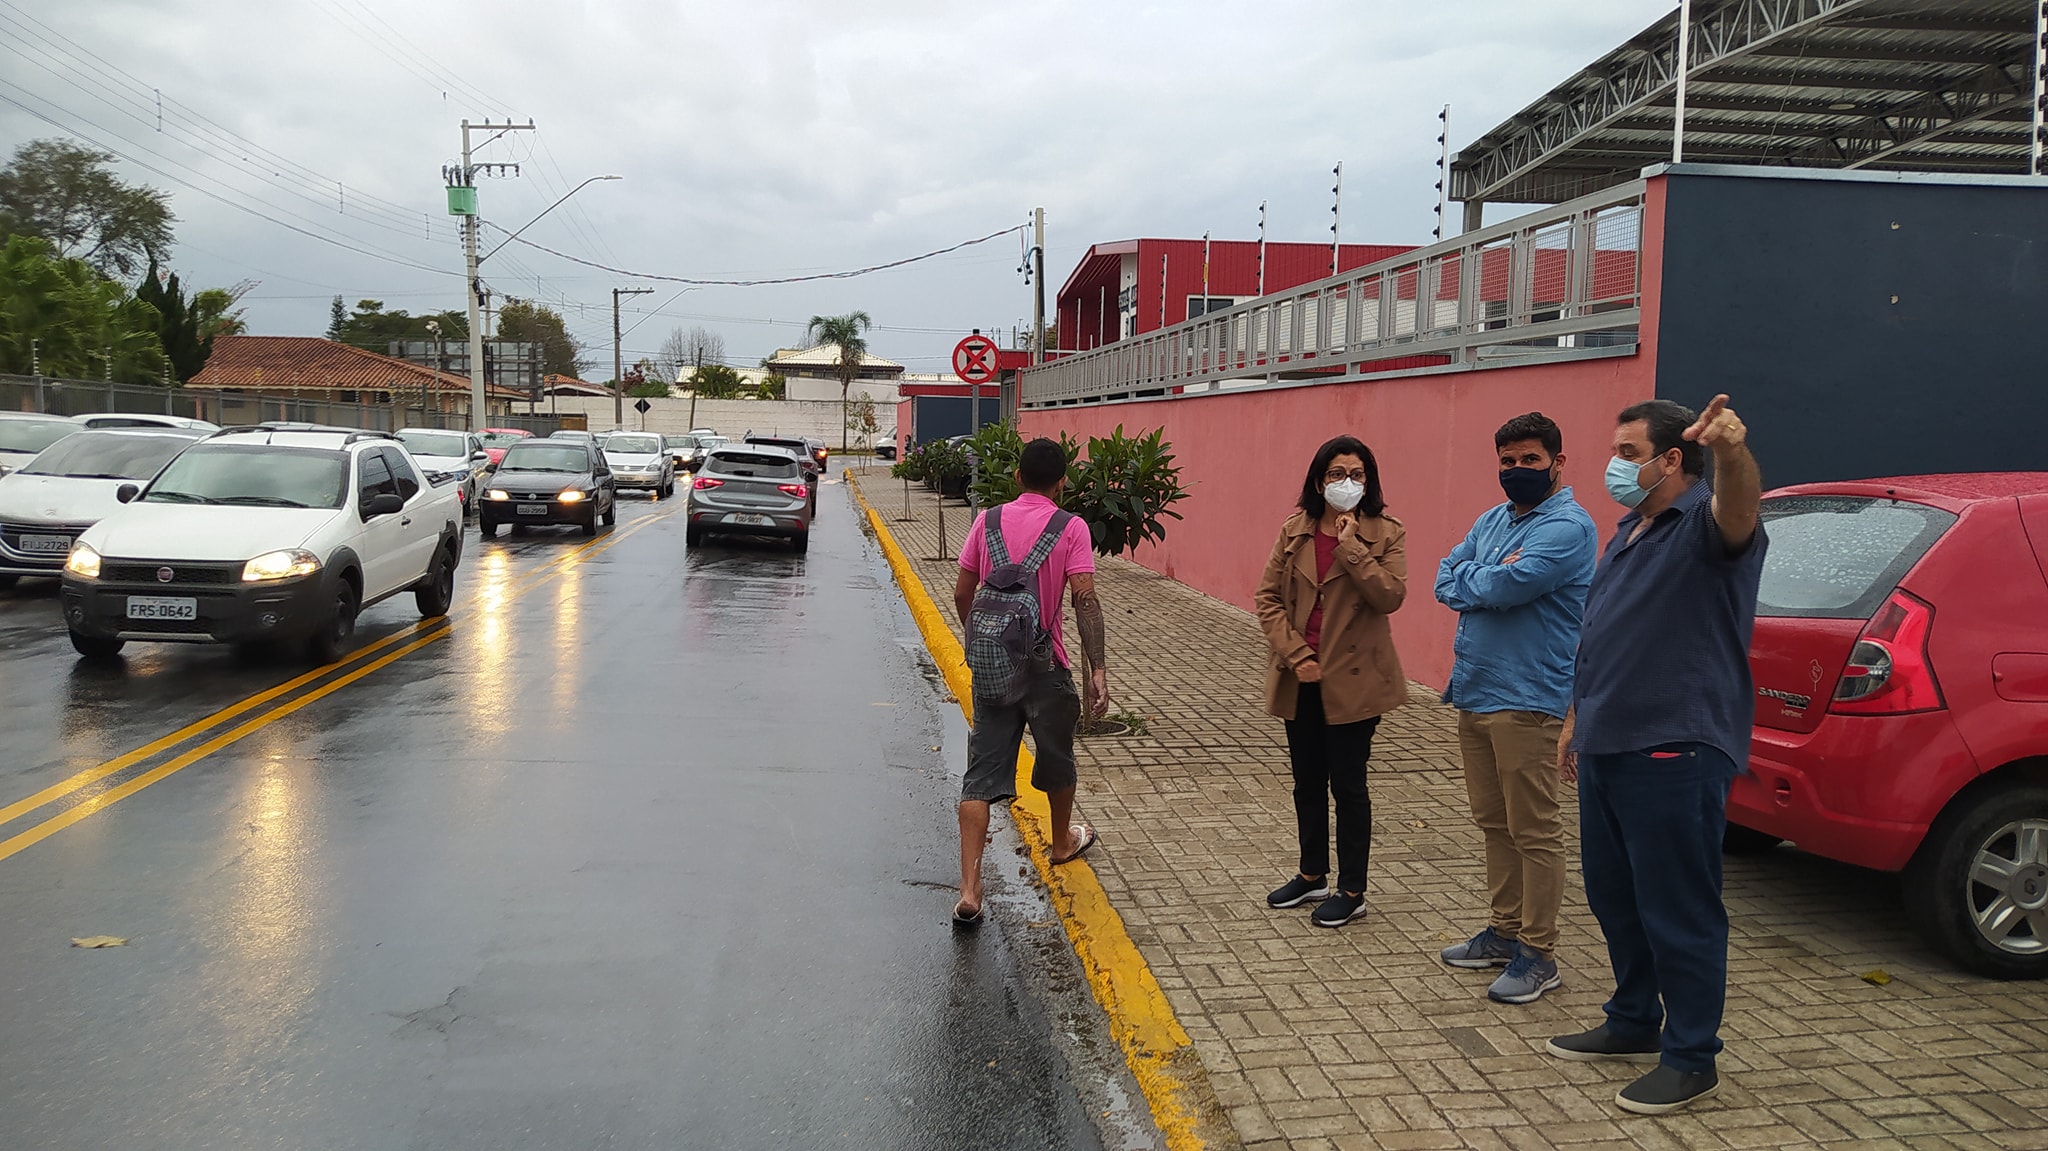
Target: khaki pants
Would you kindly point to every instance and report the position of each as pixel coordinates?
(1511, 776)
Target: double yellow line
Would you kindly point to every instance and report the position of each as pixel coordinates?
(408, 641)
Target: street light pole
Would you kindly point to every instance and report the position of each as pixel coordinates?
(618, 365)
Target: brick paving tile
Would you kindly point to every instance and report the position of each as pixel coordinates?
(1358, 1039)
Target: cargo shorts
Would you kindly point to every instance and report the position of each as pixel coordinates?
(1052, 710)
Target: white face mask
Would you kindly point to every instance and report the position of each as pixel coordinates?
(1344, 494)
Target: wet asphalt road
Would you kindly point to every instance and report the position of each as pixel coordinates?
(653, 848)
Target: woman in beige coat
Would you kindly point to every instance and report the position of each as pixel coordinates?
(1336, 573)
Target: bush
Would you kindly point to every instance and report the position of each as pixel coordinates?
(1122, 488)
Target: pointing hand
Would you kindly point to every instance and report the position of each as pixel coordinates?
(1718, 428)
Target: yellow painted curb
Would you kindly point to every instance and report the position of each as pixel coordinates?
(1158, 1051)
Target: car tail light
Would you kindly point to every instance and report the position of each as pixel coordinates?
(702, 483)
(797, 490)
(1889, 672)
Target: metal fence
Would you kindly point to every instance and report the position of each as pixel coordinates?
(51, 396)
(1561, 283)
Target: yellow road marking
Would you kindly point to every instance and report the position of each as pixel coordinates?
(121, 763)
(1160, 1054)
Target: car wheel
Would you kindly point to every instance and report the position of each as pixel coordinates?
(8, 581)
(590, 525)
(611, 516)
(95, 647)
(518, 529)
(692, 537)
(486, 528)
(437, 590)
(1978, 886)
(802, 542)
(325, 645)
(1738, 840)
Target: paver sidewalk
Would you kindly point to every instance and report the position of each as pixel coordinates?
(1358, 1038)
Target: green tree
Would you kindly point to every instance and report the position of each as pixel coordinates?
(337, 320)
(186, 341)
(372, 328)
(62, 316)
(862, 421)
(56, 191)
(217, 314)
(773, 386)
(845, 331)
(717, 382)
(533, 323)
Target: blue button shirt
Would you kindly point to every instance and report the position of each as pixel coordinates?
(1664, 653)
(1518, 623)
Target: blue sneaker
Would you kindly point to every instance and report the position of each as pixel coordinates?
(1489, 948)
(1526, 979)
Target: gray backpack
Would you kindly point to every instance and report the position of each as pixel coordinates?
(1007, 643)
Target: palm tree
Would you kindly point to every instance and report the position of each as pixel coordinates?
(844, 331)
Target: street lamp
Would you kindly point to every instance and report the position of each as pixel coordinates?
(476, 331)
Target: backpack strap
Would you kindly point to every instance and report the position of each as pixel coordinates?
(992, 533)
(1047, 540)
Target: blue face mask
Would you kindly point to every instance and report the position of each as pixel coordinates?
(1624, 482)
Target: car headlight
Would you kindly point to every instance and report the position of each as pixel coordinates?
(500, 494)
(572, 496)
(83, 562)
(280, 565)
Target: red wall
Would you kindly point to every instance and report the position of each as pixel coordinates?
(1243, 457)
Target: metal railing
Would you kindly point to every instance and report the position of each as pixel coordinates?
(48, 395)
(1561, 283)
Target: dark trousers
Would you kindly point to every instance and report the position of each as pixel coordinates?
(1329, 759)
(1650, 826)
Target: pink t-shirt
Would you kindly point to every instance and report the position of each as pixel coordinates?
(1023, 518)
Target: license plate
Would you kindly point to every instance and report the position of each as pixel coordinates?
(533, 509)
(48, 545)
(750, 519)
(162, 607)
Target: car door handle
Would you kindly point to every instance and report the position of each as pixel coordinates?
(405, 521)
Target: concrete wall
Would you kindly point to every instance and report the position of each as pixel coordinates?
(734, 418)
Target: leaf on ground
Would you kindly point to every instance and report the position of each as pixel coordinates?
(100, 941)
(1417, 824)
(1877, 978)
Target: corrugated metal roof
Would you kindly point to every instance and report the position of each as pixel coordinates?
(1889, 85)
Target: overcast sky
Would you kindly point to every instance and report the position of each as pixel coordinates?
(766, 138)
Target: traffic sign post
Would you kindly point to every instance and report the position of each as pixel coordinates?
(643, 407)
(974, 361)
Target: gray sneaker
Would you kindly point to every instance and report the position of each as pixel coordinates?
(1489, 948)
(1526, 979)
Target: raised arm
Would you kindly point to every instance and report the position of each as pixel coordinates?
(1381, 577)
(1738, 485)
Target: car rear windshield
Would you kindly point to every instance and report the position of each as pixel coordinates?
(633, 445)
(1838, 557)
(108, 456)
(33, 435)
(533, 456)
(501, 439)
(792, 445)
(753, 465)
(433, 443)
(254, 475)
(682, 441)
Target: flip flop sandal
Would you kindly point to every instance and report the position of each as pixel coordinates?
(966, 922)
(1088, 840)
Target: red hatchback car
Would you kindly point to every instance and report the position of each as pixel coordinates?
(1901, 662)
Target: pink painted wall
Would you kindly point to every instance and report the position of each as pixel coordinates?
(1244, 455)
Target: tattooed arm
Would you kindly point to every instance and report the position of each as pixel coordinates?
(1088, 621)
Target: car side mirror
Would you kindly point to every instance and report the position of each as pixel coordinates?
(383, 504)
(479, 456)
(126, 493)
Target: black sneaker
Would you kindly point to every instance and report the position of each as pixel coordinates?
(1341, 908)
(1600, 1046)
(1666, 1090)
(1298, 891)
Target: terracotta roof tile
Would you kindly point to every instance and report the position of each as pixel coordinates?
(308, 363)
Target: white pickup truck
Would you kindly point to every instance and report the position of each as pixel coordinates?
(256, 536)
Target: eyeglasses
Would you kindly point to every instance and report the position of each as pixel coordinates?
(1335, 475)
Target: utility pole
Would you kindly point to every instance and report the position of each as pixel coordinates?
(1038, 287)
(1336, 213)
(696, 381)
(466, 178)
(618, 364)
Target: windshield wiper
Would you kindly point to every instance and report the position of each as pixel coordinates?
(262, 501)
(178, 498)
(526, 468)
(89, 475)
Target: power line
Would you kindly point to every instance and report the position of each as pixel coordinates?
(845, 275)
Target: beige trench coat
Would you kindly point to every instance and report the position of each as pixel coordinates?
(1368, 580)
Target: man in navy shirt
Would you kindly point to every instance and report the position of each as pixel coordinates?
(1518, 583)
(1660, 723)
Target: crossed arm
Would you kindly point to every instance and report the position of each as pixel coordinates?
(1551, 556)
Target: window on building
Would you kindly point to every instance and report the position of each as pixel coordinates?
(1203, 305)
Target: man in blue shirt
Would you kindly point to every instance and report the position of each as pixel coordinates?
(1661, 713)
(1518, 583)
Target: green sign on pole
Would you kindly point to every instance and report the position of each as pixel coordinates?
(461, 201)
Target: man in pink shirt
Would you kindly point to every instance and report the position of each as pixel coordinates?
(1051, 707)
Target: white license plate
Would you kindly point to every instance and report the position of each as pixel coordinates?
(750, 519)
(48, 545)
(162, 607)
(533, 509)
